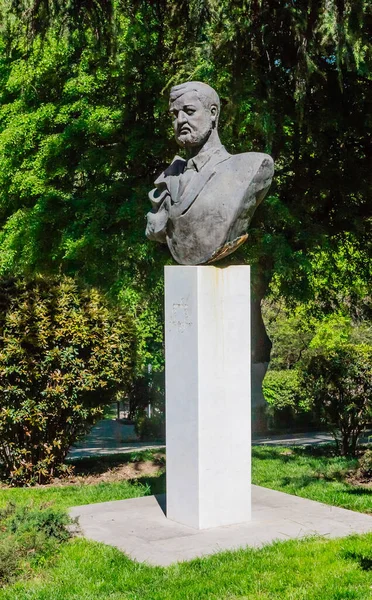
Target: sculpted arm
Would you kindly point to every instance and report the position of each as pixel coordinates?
(161, 198)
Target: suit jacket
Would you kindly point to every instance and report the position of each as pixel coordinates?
(204, 215)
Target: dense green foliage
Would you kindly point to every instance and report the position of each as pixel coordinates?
(151, 428)
(147, 406)
(300, 334)
(63, 355)
(84, 131)
(282, 388)
(290, 330)
(287, 399)
(340, 382)
(365, 465)
(74, 162)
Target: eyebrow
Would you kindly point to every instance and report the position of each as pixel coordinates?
(184, 106)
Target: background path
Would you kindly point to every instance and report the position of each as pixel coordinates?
(110, 436)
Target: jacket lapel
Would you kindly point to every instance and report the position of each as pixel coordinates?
(181, 205)
(169, 179)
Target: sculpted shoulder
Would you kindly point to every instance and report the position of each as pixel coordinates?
(252, 162)
(251, 171)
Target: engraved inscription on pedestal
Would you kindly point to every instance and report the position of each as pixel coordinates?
(180, 315)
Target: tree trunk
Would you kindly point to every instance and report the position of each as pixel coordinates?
(260, 351)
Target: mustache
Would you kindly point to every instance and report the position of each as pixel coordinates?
(184, 128)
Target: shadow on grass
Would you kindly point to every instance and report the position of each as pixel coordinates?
(96, 465)
(359, 491)
(323, 451)
(365, 562)
(290, 453)
(304, 481)
(269, 453)
(299, 482)
(156, 484)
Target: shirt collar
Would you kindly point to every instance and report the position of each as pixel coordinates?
(201, 159)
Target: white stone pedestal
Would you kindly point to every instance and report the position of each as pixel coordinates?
(208, 395)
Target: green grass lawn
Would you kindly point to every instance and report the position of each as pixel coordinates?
(74, 495)
(306, 570)
(313, 473)
(313, 569)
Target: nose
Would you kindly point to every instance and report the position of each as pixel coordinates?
(181, 118)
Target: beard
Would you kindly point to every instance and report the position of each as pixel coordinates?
(193, 138)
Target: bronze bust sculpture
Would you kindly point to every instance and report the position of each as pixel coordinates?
(202, 207)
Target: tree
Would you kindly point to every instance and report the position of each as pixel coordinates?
(40, 15)
(302, 331)
(340, 381)
(83, 133)
(63, 355)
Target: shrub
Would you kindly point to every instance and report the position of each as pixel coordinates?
(288, 404)
(63, 355)
(9, 559)
(150, 428)
(340, 381)
(49, 522)
(365, 464)
(149, 390)
(283, 389)
(31, 533)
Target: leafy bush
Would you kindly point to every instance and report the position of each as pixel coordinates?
(288, 404)
(283, 389)
(339, 379)
(365, 464)
(28, 532)
(63, 355)
(149, 390)
(48, 522)
(150, 428)
(9, 559)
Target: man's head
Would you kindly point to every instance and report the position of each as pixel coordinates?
(195, 108)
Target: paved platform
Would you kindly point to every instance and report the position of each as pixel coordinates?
(139, 527)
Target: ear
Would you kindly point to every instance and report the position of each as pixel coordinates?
(214, 112)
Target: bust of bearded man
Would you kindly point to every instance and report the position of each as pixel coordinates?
(202, 206)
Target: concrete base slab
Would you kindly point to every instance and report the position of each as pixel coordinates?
(139, 527)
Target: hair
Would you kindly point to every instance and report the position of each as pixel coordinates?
(206, 94)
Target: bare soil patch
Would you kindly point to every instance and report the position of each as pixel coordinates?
(127, 471)
(358, 479)
(110, 469)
